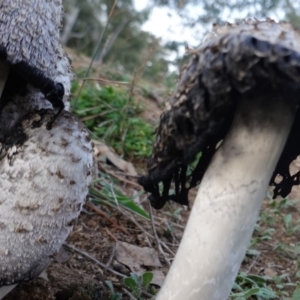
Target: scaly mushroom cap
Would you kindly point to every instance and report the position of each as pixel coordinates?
(246, 58)
(29, 42)
(44, 180)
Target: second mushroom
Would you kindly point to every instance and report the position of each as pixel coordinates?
(237, 104)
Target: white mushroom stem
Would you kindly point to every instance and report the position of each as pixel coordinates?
(4, 70)
(4, 290)
(228, 202)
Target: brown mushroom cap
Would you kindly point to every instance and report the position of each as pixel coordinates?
(242, 59)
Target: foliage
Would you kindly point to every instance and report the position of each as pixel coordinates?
(296, 294)
(136, 284)
(121, 41)
(112, 116)
(213, 11)
(248, 285)
(113, 294)
(104, 192)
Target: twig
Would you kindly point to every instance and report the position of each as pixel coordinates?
(166, 247)
(122, 179)
(93, 259)
(126, 174)
(107, 81)
(129, 294)
(252, 264)
(147, 294)
(111, 235)
(111, 257)
(133, 298)
(173, 223)
(156, 237)
(138, 225)
(104, 215)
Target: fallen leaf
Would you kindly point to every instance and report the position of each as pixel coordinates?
(106, 153)
(135, 257)
(62, 256)
(270, 272)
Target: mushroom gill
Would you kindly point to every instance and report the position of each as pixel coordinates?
(236, 103)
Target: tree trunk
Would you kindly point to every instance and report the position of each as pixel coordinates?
(70, 20)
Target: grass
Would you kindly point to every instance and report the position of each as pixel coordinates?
(113, 117)
(105, 192)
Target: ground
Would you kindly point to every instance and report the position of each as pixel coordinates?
(108, 243)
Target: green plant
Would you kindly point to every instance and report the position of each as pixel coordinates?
(279, 281)
(248, 286)
(105, 192)
(296, 294)
(290, 226)
(261, 236)
(136, 284)
(291, 251)
(111, 116)
(113, 295)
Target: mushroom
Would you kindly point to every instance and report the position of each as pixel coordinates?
(43, 184)
(236, 103)
(44, 170)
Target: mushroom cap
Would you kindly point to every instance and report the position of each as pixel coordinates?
(248, 58)
(43, 181)
(30, 42)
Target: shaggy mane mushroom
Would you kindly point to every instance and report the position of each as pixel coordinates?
(46, 155)
(236, 103)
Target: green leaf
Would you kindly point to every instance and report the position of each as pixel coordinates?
(115, 197)
(247, 294)
(136, 278)
(147, 278)
(110, 285)
(130, 283)
(296, 294)
(252, 252)
(287, 220)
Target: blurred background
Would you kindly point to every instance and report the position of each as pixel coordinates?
(156, 32)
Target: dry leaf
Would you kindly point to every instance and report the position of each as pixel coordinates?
(106, 153)
(135, 257)
(62, 256)
(270, 272)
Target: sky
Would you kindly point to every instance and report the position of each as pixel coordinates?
(167, 25)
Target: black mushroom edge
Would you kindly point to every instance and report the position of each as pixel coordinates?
(23, 73)
(200, 116)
